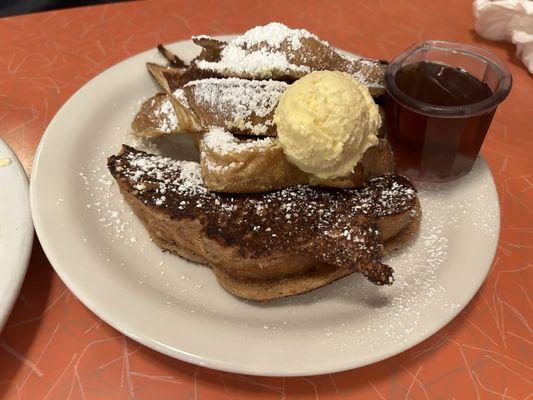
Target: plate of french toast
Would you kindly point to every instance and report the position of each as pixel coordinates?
(233, 202)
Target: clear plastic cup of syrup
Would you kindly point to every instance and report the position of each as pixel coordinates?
(440, 100)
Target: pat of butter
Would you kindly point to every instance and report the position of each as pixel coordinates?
(4, 162)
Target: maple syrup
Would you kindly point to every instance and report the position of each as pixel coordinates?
(438, 115)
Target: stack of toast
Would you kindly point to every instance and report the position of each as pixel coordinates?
(267, 228)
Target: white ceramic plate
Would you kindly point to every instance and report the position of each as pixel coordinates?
(16, 229)
(104, 255)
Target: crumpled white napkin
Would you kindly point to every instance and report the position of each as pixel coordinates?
(509, 20)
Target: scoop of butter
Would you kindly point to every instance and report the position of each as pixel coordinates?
(325, 122)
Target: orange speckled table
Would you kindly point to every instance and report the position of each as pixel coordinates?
(53, 347)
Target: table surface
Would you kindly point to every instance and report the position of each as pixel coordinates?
(53, 347)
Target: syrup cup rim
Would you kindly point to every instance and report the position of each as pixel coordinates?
(481, 107)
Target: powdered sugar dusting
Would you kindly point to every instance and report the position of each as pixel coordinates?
(240, 100)
(159, 169)
(111, 211)
(275, 34)
(363, 73)
(416, 284)
(259, 63)
(164, 116)
(222, 142)
(219, 168)
(258, 51)
(191, 177)
(179, 94)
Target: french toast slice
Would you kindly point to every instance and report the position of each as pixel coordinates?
(235, 165)
(239, 105)
(275, 51)
(269, 245)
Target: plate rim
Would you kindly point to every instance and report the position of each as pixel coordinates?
(131, 332)
(19, 267)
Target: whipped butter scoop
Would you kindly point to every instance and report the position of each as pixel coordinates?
(325, 122)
